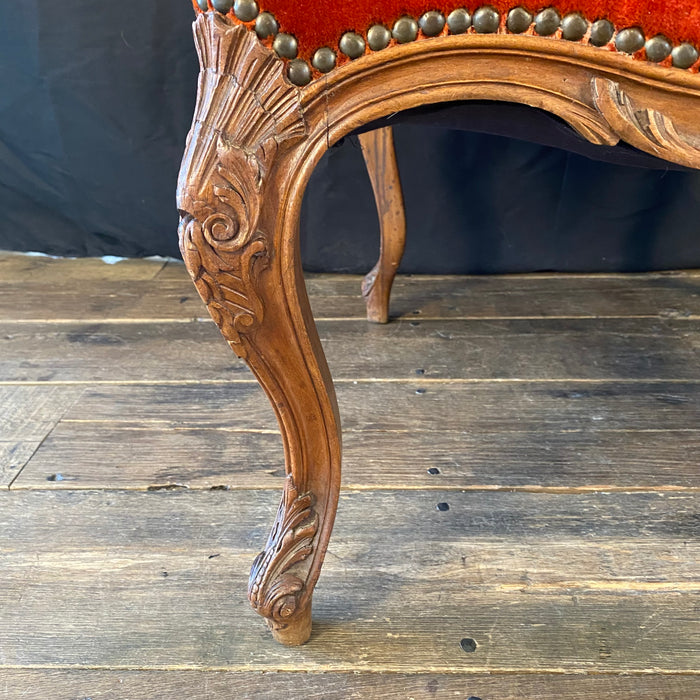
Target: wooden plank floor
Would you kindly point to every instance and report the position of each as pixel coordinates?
(140, 467)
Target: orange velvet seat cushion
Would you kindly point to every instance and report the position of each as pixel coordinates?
(317, 23)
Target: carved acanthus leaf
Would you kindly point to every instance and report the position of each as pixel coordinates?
(245, 110)
(275, 586)
(647, 129)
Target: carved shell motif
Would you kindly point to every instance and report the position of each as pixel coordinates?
(274, 588)
(245, 110)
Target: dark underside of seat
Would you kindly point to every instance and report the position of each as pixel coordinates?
(524, 123)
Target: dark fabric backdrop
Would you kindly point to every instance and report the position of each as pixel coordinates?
(95, 103)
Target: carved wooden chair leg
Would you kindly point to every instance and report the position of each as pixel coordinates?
(257, 136)
(380, 157)
(239, 240)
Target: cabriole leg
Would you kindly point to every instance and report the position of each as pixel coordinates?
(380, 157)
(243, 255)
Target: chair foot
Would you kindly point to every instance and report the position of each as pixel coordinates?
(380, 158)
(376, 291)
(296, 632)
(278, 588)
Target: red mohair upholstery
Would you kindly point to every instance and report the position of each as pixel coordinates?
(317, 23)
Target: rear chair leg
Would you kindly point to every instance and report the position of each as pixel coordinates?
(380, 157)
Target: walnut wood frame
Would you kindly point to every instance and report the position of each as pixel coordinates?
(254, 142)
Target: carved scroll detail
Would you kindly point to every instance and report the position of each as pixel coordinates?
(646, 129)
(274, 587)
(245, 110)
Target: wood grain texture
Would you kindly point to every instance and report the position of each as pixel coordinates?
(28, 415)
(560, 577)
(29, 412)
(171, 297)
(104, 457)
(14, 454)
(529, 435)
(552, 349)
(543, 296)
(409, 406)
(597, 582)
(154, 581)
(165, 685)
(108, 301)
(15, 267)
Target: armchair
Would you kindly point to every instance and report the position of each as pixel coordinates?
(281, 82)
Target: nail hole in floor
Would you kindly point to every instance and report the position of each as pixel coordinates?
(468, 645)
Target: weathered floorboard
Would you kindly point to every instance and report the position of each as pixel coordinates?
(156, 580)
(242, 685)
(29, 412)
(594, 349)
(128, 291)
(13, 456)
(27, 416)
(30, 269)
(560, 412)
(612, 435)
(413, 405)
(97, 455)
(542, 296)
(101, 301)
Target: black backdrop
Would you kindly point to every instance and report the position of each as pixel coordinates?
(95, 103)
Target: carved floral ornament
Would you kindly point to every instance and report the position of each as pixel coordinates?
(278, 576)
(245, 111)
(351, 45)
